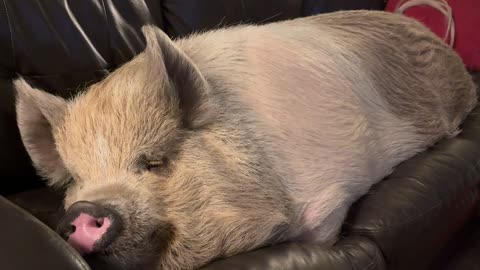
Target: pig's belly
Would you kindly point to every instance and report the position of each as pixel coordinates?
(333, 146)
(331, 149)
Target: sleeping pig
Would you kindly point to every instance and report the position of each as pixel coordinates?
(230, 140)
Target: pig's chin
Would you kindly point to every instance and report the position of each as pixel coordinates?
(112, 262)
(121, 255)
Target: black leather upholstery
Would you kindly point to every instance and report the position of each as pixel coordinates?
(45, 204)
(405, 222)
(186, 16)
(464, 254)
(352, 253)
(29, 244)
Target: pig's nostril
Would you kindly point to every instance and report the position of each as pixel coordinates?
(69, 230)
(99, 222)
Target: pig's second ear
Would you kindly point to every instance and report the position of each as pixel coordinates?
(38, 115)
(189, 90)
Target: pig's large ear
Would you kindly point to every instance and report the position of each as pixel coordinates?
(189, 90)
(38, 115)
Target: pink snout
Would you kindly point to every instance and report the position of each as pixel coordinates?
(88, 230)
(88, 227)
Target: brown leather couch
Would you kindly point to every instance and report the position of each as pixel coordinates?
(423, 216)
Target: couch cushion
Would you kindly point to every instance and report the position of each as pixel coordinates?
(183, 17)
(29, 244)
(311, 7)
(46, 204)
(355, 253)
(462, 252)
(465, 256)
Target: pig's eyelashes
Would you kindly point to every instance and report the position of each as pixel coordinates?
(154, 164)
(151, 165)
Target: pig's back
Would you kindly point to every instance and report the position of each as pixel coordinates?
(342, 99)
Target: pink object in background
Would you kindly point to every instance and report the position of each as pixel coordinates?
(466, 17)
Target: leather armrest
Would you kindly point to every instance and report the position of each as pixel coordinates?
(27, 243)
(347, 254)
(45, 204)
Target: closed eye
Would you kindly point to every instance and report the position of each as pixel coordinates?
(152, 165)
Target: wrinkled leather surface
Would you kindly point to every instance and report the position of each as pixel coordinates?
(351, 253)
(403, 223)
(26, 243)
(462, 252)
(467, 257)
